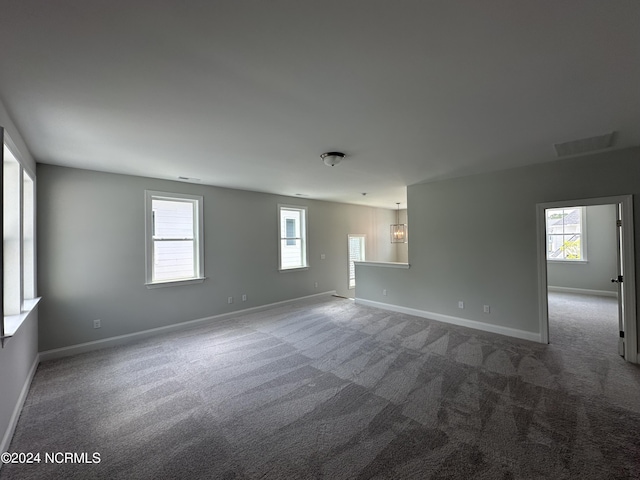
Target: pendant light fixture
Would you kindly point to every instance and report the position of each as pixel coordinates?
(398, 230)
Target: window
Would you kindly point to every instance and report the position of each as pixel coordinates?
(28, 238)
(175, 245)
(291, 231)
(292, 228)
(356, 254)
(565, 234)
(18, 242)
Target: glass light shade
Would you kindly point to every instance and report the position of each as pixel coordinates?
(332, 160)
(399, 233)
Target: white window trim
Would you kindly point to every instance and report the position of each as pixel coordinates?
(304, 240)
(583, 238)
(11, 323)
(567, 261)
(199, 238)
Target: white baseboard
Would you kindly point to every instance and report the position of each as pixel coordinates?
(582, 291)
(463, 322)
(128, 338)
(13, 421)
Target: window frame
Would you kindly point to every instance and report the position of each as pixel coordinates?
(304, 234)
(23, 276)
(363, 236)
(583, 236)
(198, 238)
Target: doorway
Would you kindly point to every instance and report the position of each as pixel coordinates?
(580, 282)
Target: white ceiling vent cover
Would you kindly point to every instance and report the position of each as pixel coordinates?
(584, 145)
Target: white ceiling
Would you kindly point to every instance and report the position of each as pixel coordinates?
(248, 94)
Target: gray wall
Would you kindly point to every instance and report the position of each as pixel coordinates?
(455, 247)
(600, 268)
(91, 254)
(20, 352)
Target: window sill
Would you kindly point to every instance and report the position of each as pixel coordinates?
(296, 269)
(175, 283)
(12, 322)
(568, 262)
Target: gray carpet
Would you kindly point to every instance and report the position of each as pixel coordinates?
(584, 321)
(326, 389)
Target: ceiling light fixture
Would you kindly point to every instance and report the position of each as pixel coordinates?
(398, 230)
(332, 158)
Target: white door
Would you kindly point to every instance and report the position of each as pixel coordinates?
(620, 278)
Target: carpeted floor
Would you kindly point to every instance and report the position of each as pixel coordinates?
(326, 389)
(584, 321)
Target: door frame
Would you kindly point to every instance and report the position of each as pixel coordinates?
(628, 262)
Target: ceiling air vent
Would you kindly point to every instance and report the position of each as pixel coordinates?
(584, 145)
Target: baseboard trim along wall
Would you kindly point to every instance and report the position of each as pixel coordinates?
(463, 322)
(131, 337)
(13, 422)
(582, 291)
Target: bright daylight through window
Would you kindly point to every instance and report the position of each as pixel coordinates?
(356, 254)
(292, 226)
(565, 234)
(174, 238)
(18, 243)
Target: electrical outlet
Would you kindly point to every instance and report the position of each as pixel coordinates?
(315, 285)
(487, 309)
(230, 300)
(384, 292)
(244, 297)
(322, 256)
(96, 323)
(460, 304)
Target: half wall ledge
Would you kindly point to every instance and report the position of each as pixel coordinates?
(385, 264)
